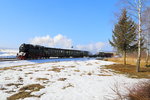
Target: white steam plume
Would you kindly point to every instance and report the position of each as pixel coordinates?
(60, 41)
(93, 47)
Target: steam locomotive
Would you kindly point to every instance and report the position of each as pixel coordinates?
(29, 51)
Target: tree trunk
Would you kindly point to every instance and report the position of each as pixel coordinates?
(139, 37)
(124, 55)
(147, 57)
(138, 61)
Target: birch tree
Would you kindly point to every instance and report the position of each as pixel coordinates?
(139, 7)
(136, 7)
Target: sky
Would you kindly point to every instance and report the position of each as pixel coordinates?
(82, 24)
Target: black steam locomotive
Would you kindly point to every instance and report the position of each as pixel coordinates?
(29, 51)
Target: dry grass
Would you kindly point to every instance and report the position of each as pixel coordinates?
(42, 79)
(88, 64)
(104, 75)
(69, 85)
(72, 66)
(12, 67)
(62, 79)
(6, 68)
(23, 94)
(130, 60)
(129, 70)
(20, 79)
(20, 95)
(141, 91)
(56, 69)
(89, 73)
(29, 73)
(2, 88)
(19, 70)
(77, 70)
(13, 84)
(32, 87)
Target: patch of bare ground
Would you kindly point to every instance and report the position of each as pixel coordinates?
(103, 71)
(77, 70)
(10, 91)
(129, 70)
(88, 64)
(14, 84)
(69, 85)
(23, 92)
(2, 88)
(56, 69)
(84, 73)
(104, 75)
(32, 87)
(71, 66)
(36, 70)
(62, 79)
(20, 79)
(29, 73)
(42, 79)
(89, 73)
(19, 70)
(20, 95)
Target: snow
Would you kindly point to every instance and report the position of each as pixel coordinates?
(8, 53)
(83, 80)
(29, 62)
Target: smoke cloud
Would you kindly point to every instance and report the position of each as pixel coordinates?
(93, 47)
(60, 41)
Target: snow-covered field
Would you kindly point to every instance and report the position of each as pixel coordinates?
(8, 53)
(65, 80)
(28, 62)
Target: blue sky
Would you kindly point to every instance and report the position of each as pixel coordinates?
(82, 21)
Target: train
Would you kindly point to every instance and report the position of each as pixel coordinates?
(105, 54)
(29, 51)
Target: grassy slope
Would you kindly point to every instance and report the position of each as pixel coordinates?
(130, 68)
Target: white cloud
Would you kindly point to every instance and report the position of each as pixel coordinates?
(60, 41)
(93, 47)
(45, 40)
